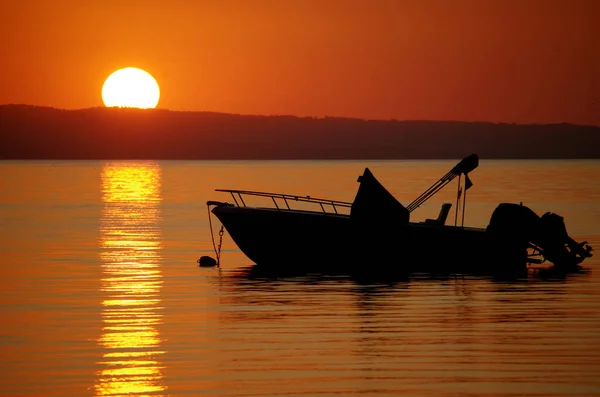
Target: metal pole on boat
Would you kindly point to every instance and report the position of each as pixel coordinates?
(465, 166)
(457, 200)
(431, 191)
(462, 222)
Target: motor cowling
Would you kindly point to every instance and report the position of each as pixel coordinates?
(516, 224)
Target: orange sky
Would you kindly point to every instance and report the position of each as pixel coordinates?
(489, 60)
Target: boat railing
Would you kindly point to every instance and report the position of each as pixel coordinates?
(238, 198)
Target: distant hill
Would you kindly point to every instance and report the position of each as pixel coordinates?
(32, 132)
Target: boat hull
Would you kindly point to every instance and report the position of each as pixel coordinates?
(317, 240)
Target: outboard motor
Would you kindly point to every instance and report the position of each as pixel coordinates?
(517, 226)
(511, 227)
(556, 244)
(514, 222)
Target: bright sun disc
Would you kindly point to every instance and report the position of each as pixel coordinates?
(130, 88)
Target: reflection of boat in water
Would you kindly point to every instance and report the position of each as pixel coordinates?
(375, 231)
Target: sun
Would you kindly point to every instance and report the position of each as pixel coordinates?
(130, 88)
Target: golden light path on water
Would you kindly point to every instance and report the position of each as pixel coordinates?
(130, 242)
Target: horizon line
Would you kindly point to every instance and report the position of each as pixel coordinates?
(160, 109)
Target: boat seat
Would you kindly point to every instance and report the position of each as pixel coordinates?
(441, 219)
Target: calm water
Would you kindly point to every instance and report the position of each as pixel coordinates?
(101, 295)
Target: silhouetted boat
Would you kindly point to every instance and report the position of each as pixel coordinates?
(377, 232)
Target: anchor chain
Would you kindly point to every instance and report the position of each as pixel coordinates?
(218, 250)
(207, 261)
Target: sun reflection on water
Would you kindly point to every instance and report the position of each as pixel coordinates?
(131, 255)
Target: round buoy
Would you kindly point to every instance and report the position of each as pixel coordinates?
(207, 261)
